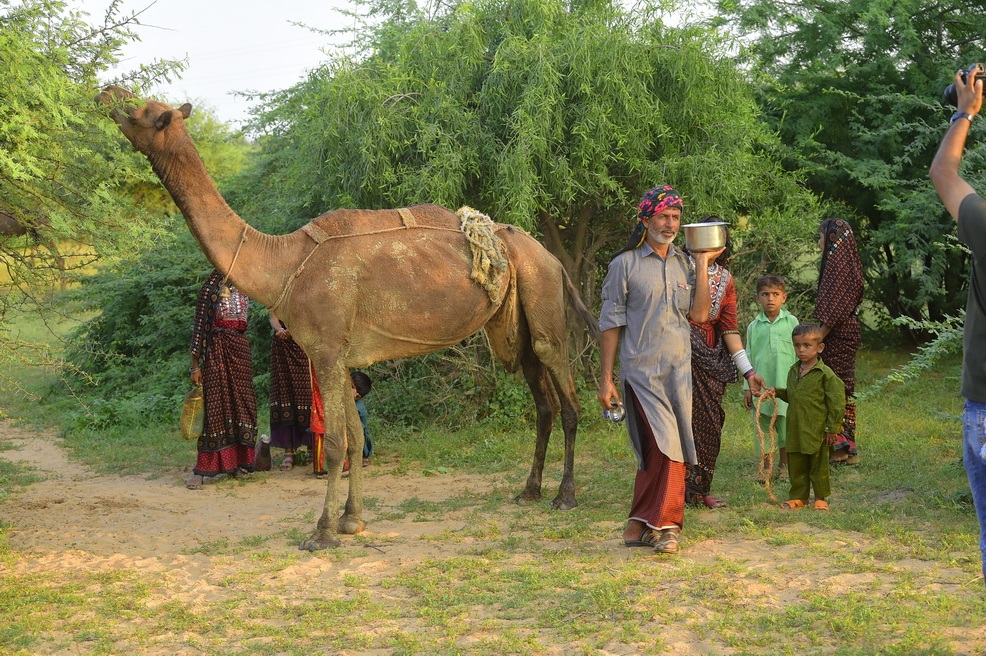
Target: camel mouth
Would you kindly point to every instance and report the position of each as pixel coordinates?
(120, 102)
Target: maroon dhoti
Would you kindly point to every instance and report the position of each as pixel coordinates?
(659, 489)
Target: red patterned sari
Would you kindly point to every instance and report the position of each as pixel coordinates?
(712, 370)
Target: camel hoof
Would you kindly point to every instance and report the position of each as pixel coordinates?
(564, 503)
(351, 525)
(527, 497)
(319, 541)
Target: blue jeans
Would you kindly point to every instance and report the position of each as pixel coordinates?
(974, 436)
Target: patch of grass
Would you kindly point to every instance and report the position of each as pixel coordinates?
(892, 569)
(14, 476)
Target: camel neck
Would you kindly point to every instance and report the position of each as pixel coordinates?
(218, 229)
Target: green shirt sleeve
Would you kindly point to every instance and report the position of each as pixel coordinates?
(835, 402)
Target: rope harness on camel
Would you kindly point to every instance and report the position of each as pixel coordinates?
(229, 271)
(488, 260)
(767, 461)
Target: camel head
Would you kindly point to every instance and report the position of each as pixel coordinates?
(148, 124)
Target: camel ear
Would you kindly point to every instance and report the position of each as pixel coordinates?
(186, 110)
(163, 121)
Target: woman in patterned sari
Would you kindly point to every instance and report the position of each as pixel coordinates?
(840, 294)
(717, 353)
(223, 365)
(290, 395)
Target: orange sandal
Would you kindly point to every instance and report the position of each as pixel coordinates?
(793, 504)
(821, 504)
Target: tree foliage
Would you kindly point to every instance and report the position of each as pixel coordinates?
(551, 115)
(60, 160)
(853, 88)
(69, 184)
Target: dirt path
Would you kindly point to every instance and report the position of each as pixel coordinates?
(74, 520)
(129, 518)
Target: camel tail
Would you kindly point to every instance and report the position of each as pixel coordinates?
(591, 322)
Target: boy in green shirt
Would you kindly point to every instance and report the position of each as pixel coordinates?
(816, 403)
(768, 343)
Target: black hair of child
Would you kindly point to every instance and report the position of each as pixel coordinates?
(771, 280)
(361, 381)
(807, 330)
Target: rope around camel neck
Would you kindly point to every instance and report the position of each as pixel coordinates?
(236, 254)
(766, 464)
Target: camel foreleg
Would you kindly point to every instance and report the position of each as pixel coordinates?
(325, 535)
(331, 381)
(351, 522)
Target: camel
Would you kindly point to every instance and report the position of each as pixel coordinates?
(361, 286)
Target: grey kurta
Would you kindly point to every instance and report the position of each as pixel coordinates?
(649, 297)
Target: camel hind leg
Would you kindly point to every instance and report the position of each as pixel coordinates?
(554, 360)
(546, 404)
(545, 384)
(541, 289)
(533, 338)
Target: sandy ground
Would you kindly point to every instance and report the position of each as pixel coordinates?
(75, 521)
(75, 514)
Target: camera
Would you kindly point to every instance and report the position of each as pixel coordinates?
(615, 415)
(951, 96)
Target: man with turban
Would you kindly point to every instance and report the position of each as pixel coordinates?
(650, 292)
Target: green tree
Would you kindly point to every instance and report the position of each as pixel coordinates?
(853, 89)
(551, 115)
(60, 161)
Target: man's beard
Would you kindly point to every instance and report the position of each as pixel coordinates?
(660, 238)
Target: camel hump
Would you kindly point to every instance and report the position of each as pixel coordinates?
(489, 261)
(350, 223)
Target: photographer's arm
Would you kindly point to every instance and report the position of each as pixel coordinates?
(944, 172)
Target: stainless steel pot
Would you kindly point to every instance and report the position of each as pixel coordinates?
(704, 236)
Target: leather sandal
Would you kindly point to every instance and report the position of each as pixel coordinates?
(647, 538)
(668, 542)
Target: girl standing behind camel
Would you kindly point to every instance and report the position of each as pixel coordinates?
(290, 395)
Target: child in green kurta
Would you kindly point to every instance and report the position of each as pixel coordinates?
(816, 403)
(768, 343)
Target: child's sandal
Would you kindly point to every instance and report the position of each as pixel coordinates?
(821, 504)
(793, 504)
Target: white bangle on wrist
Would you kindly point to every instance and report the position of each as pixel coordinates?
(742, 362)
